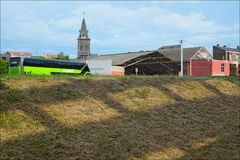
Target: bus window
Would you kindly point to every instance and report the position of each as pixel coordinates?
(36, 62)
(15, 61)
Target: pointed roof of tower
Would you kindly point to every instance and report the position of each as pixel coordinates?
(84, 26)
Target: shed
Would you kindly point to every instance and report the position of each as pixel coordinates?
(163, 61)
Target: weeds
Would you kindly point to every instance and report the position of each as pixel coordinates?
(131, 117)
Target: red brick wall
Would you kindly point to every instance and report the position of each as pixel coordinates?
(216, 68)
(209, 68)
(118, 71)
(201, 68)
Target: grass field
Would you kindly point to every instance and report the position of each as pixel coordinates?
(119, 118)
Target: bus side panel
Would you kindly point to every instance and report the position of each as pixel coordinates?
(14, 70)
(86, 74)
(48, 71)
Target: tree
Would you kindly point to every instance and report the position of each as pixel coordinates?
(4, 66)
(61, 56)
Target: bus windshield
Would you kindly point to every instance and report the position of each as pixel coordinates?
(14, 61)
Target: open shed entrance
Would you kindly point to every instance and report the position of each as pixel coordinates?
(152, 64)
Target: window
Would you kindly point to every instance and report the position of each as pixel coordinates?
(222, 67)
(15, 61)
(35, 62)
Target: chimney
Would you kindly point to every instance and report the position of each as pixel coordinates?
(218, 45)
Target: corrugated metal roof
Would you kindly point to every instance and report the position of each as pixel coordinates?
(171, 46)
(120, 58)
(172, 53)
(175, 53)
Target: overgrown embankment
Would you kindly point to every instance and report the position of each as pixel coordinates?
(119, 118)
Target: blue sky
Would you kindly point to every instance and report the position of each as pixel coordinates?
(51, 26)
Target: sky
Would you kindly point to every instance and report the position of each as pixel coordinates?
(51, 27)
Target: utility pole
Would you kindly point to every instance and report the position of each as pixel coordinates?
(181, 72)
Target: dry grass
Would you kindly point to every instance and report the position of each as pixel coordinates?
(203, 142)
(80, 111)
(142, 98)
(119, 118)
(15, 123)
(166, 154)
(191, 90)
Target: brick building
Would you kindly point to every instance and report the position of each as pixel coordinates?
(228, 54)
(197, 61)
(163, 61)
(8, 55)
(51, 56)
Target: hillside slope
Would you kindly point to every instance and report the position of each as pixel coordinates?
(119, 118)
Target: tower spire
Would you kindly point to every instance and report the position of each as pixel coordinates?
(83, 30)
(83, 41)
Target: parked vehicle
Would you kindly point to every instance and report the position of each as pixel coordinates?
(39, 66)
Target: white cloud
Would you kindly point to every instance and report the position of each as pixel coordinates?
(123, 20)
(192, 22)
(29, 28)
(112, 26)
(236, 26)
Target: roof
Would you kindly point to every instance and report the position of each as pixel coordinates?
(171, 46)
(84, 26)
(3, 54)
(228, 49)
(50, 55)
(19, 53)
(120, 58)
(175, 53)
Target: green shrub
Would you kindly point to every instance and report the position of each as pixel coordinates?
(4, 66)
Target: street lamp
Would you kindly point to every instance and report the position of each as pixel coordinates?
(181, 72)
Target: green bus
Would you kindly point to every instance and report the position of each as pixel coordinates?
(39, 66)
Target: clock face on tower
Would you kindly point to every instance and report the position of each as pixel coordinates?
(84, 43)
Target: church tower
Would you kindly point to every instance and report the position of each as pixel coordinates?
(83, 41)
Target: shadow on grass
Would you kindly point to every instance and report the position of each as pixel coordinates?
(133, 134)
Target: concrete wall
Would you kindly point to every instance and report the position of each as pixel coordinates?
(100, 66)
